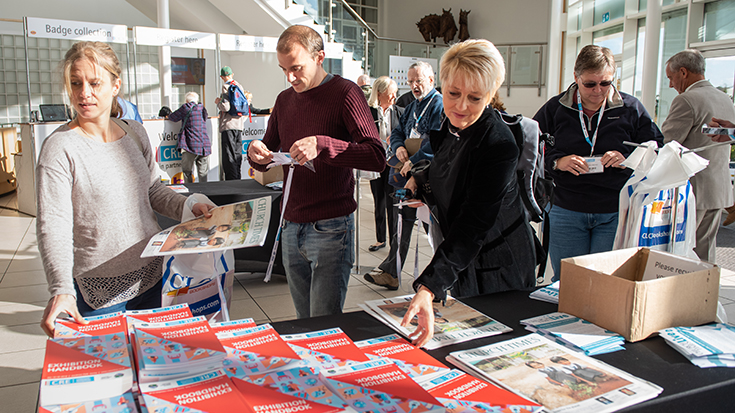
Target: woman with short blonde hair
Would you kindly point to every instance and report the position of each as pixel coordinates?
(471, 184)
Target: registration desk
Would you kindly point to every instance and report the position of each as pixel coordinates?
(686, 387)
(252, 259)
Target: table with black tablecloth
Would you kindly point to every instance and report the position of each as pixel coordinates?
(251, 259)
(687, 388)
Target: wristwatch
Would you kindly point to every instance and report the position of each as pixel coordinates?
(553, 164)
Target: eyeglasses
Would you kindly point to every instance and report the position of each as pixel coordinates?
(604, 83)
(417, 81)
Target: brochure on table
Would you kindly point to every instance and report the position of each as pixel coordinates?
(454, 321)
(554, 376)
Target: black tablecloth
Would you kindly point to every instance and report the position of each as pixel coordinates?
(252, 259)
(687, 388)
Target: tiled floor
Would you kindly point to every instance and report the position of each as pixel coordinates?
(23, 296)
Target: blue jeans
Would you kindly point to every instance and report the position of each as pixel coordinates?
(578, 233)
(147, 300)
(318, 257)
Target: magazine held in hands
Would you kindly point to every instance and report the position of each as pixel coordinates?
(243, 224)
(554, 376)
(454, 321)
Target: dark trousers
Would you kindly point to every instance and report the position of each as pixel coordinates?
(231, 153)
(409, 217)
(382, 190)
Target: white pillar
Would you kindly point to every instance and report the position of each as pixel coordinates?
(650, 56)
(164, 56)
(553, 73)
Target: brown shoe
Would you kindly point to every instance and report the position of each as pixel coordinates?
(382, 278)
(730, 218)
(730, 210)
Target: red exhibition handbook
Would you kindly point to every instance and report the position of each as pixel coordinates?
(211, 392)
(85, 368)
(264, 400)
(98, 326)
(460, 392)
(330, 348)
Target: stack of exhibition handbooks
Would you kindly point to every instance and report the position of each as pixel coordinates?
(549, 294)
(86, 371)
(232, 326)
(554, 376)
(212, 391)
(411, 359)
(460, 392)
(705, 346)
(255, 351)
(575, 333)
(176, 349)
(326, 349)
(454, 321)
(97, 326)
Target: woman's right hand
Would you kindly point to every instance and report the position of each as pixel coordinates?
(402, 154)
(574, 164)
(62, 303)
(421, 306)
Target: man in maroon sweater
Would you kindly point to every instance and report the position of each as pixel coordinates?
(322, 118)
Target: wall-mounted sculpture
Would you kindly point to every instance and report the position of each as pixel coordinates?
(447, 28)
(464, 32)
(429, 27)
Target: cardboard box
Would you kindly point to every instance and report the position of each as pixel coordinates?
(274, 174)
(606, 289)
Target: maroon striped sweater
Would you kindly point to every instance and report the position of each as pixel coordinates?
(338, 115)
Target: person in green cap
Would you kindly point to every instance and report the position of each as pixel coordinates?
(230, 128)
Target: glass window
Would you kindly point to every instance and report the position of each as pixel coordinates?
(721, 72)
(612, 38)
(643, 3)
(640, 45)
(719, 20)
(606, 10)
(673, 40)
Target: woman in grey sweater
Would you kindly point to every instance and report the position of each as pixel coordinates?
(97, 190)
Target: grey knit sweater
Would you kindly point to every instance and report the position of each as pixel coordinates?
(95, 214)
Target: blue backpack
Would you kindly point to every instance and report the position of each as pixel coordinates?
(238, 102)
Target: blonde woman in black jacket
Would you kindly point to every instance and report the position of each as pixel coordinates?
(487, 243)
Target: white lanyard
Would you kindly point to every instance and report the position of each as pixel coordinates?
(286, 193)
(416, 125)
(584, 126)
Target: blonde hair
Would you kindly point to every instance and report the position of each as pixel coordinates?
(381, 85)
(478, 61)
(100, 54)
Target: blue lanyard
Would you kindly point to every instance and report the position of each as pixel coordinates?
(416, 125)
(584, 127)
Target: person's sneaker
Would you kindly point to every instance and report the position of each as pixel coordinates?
(382, 278)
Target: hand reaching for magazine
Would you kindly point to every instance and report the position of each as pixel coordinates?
(421, 306)
(62, 303)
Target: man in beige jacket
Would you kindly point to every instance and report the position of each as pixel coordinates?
(698, 102)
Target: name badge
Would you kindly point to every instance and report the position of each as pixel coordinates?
(594, 163)
(415, 134)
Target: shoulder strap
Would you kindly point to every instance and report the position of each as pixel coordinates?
(129, 131)
(186, 119)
